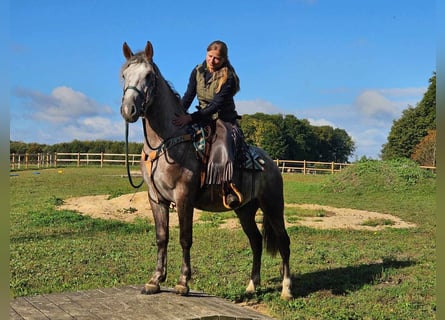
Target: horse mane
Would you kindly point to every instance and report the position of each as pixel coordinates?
(168, 83)
(139, 57)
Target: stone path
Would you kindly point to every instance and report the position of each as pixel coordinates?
(127, 303)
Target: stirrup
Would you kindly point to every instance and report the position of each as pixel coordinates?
(237, 194)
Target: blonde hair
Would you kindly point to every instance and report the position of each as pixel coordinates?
(221, 47)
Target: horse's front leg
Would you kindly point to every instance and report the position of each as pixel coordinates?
(161, 216)
(185, 215)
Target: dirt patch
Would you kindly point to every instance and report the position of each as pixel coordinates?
(131, 206)
(345, 218)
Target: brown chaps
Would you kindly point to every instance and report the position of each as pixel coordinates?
(224, 154)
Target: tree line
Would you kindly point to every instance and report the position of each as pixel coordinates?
(412, 136)
(282, 137)
(94, 146)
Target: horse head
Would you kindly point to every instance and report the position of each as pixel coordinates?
(138, 74)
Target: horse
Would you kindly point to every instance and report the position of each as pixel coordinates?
(172, 171)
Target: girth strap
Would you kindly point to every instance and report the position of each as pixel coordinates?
(155, 154)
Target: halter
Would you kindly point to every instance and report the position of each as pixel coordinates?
(147, 96)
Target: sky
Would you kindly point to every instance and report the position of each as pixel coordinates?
(353, 65)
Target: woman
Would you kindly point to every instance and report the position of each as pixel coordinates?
(215, 83)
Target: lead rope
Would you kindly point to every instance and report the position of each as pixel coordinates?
(127, 162)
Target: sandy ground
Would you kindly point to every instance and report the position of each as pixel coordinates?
(131, 206)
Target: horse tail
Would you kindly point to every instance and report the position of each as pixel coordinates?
(269, 236)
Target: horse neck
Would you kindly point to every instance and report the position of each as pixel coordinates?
(160, 114)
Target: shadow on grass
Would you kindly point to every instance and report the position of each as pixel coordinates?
(339, 281)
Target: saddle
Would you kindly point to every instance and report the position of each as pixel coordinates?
(221, 147)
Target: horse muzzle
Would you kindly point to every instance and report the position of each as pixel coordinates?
(130, 112)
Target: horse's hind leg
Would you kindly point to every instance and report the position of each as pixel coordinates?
(276, 238)
(161, 216)
(246, 214)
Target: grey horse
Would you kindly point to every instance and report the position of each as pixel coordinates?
(172, 173)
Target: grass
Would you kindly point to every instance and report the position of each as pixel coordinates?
(337, 274)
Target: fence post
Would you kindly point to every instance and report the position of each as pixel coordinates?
(304, 166)
(78, 159)
(102, 159)
(332, 167)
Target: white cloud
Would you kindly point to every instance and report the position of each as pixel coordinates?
(369, 117)
(321, 122)
(372, 103)
(390, 102)
(61, 116)
(254, 106)
(95, 128)
(62, 105)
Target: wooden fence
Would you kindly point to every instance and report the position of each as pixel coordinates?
(48, 160)
(58, 159)
(309, 167)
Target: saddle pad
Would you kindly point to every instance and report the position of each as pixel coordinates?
(253, 161)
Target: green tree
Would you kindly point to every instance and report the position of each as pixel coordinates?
(265, 131)
(286, 137)
(425, 152)
(342, 146)
(17, 147)
(300, 139)
(414, 124)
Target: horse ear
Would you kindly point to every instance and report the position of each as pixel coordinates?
(127, 51)
(149, 51)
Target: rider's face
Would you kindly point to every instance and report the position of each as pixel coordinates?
(214, 60)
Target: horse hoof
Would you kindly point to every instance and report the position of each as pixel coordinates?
(251, 288)
(151, 289)
(182, 290)
(286, 296)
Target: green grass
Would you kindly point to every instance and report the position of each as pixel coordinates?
(338, 274)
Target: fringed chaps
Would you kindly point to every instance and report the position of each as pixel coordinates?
(222, 153)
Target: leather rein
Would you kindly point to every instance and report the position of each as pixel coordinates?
(156, 151)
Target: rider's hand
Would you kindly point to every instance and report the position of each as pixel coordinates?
(182, 120)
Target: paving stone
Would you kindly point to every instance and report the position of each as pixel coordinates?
(129, 304)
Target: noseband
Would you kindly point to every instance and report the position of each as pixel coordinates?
(147, 95)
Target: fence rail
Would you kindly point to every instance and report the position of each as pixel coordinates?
(58, 159)
(309, 167)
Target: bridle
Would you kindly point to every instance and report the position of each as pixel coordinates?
(147, 98)
(166, 144)
(147, 95)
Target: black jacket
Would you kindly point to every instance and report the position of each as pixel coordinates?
(222, 102)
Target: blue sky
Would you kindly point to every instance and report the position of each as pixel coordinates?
(354, 65)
